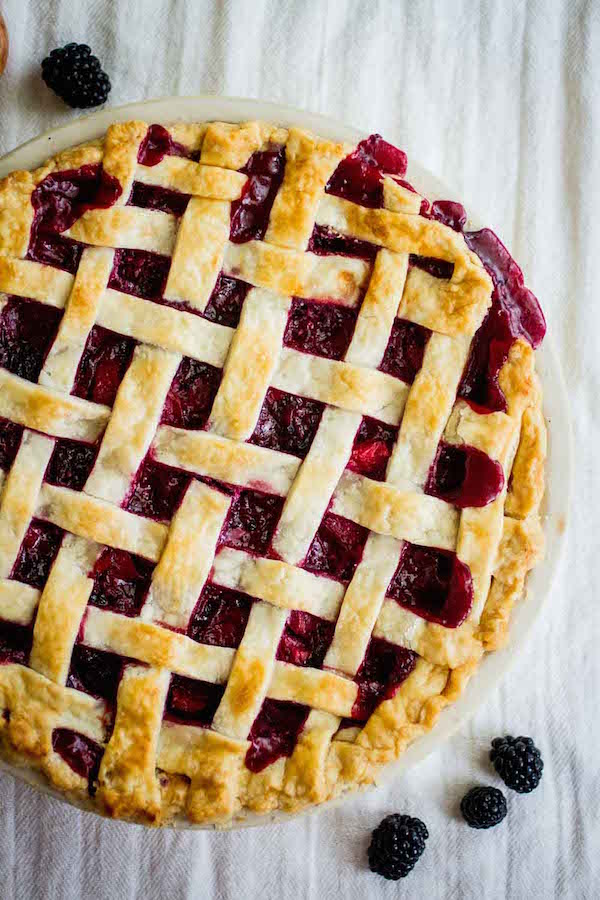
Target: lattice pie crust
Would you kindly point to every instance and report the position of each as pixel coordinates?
(153, 766)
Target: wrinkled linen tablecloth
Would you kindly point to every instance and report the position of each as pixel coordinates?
(502, 100)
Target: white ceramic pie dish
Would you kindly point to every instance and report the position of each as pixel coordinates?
(556, 502)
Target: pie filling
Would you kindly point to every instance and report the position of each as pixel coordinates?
(82, 753)
(191, 395)
(58, 201)
(403, 355)
(287, 423)
(372, 448)
(10, 440)
(221, 616)
(322, 329)
(27, 330)
(157, 144)
(325, 240)
(464, 476)
(250, 214)
(381, 673)
(432, 583)
(359, 177)
(305, 640)
(71, 464)
(140, 273)
(15, 643)
(274, 732)
(96, 672)
(38, 551)
(121, 582)
(103, 365)
(192, 702)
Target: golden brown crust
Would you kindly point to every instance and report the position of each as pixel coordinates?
(296, 273)
(407, 233)
(16, 213)
(310, 162)
(153, 770)
(526, 487)
(121, 151)
(128, 782)
(198, 254)
(250, 365)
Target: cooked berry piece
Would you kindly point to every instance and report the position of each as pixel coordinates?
(514, 313)
(404, 353)
(70, 464)
(359, 177)
(226, 301)
(250, 214)
(372, 448)
(337, 547)
(191, 701)
(153, 196)
(483, 807)
(76, 76)
(157, 490)
(274, 732)
(381, 673)
(323, 329)
(220, 618)
(522, 313)
(10, 440)
(103, 365)
(15, 643)
(121, 581)
(464, 476)
(251, 521)
(434, 584)
(96, 672)
(79, 752)
(305, 639)
(439, 268)
(489, 351)
(518, 762)
(266, 162)
(326, 240)
(397, 844)
(27, 329)
(54, 250)
(140, 273)
(191, 394)
(38, 552)
(62, 197)
(450, 213)
(287, 422)
(157, 144)
(58, 201)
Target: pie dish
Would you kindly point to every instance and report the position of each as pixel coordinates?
(273, 454)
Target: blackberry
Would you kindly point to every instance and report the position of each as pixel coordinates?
(483, 807)
(76, 76)
(518, 762)
(397, 843)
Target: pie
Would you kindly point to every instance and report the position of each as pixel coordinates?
(272, 455)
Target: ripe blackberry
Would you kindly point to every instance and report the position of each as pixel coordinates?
(483, 807)
(518, 762)
(396, 845)
(76, 76)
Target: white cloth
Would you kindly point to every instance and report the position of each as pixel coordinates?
(502, 100)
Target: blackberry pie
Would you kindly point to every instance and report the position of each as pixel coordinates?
(271, 460)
